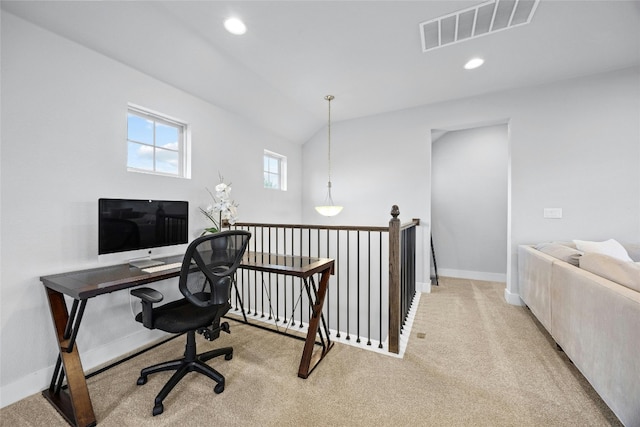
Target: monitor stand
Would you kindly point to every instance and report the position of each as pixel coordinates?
(145, 263)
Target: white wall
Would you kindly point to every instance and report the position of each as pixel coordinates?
(376, 162)
(469, 202)
(63, 147)
(574, 144)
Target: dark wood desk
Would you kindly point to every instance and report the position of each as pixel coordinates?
(74, 403)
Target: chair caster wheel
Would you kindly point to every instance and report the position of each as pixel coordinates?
(157, 410)
(228, 356)
(142, 381)
(219, 388)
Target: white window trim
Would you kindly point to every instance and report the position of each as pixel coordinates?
(184, 167)
(283, 169)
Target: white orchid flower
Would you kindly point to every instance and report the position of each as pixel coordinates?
(222, 208)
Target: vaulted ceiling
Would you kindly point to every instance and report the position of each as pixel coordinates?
(368, 54)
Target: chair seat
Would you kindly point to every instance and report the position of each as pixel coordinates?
(182, 316)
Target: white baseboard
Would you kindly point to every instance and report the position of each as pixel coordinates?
(511, 298)
(91, 359)
(473, 275)
(25, 386)
(423, 287)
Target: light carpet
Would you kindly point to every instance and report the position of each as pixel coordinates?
(472, 360)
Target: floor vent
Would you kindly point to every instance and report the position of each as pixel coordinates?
(486, 18)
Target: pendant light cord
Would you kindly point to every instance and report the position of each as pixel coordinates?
(329, 98)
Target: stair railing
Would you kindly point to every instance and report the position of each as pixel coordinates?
(369, 295)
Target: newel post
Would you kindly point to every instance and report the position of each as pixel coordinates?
(394, 281)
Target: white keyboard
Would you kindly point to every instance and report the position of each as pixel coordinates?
(162, 267)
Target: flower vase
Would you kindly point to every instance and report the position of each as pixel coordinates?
(218, 244)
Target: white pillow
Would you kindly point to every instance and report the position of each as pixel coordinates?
(562, 252)
(609, 247)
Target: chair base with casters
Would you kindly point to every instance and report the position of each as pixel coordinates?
(190, 363)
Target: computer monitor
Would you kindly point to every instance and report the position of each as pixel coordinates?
(129, 225)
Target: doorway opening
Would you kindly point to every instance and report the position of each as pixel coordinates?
(470, 201)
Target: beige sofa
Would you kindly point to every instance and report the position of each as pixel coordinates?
(596, 321)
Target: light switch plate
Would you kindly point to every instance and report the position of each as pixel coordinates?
(554, 213)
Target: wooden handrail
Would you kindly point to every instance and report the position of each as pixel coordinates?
(414, 222)
(313, 226)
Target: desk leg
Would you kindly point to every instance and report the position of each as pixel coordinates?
(306, 363)
(74, 404)
(239, 298)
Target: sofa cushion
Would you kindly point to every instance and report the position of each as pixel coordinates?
(626, 273)
(561, 251)
(609, 247)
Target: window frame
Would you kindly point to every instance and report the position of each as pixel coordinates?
(281, 175)
(184, 142)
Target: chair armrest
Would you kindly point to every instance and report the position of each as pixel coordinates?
(149, 297)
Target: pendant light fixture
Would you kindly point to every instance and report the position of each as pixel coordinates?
(329, 208)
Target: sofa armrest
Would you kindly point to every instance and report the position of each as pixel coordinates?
(534, 281)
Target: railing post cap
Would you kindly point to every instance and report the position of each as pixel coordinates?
(395, 211)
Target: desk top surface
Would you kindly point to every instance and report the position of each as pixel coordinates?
(84, 284)
(285, 264)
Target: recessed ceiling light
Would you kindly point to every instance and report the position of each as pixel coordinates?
(473, 63)
(235, 26)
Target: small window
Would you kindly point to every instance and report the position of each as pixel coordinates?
(275, 171)
(156, 144)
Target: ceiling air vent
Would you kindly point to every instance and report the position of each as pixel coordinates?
(473, 22)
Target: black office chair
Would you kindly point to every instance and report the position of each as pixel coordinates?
(205, 281)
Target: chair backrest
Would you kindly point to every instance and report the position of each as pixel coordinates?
(209, 265)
